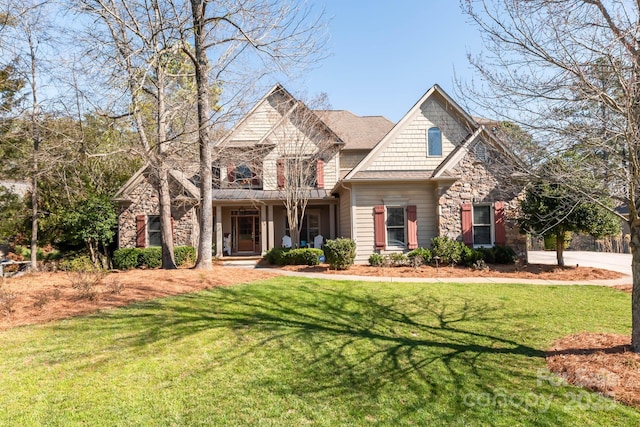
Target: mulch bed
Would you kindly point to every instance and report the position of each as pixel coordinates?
(604, 363)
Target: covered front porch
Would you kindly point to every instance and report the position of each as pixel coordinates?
(250, 227)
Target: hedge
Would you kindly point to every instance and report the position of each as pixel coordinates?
(286, 256)
(128, 258)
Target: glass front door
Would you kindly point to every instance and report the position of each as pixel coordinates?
(246, 231)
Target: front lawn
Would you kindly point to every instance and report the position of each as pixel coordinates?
(291, 351)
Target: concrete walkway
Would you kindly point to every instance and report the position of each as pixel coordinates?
(608, 261)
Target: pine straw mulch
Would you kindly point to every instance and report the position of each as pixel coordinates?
(43, 297)
(516, 271)
(604, 363)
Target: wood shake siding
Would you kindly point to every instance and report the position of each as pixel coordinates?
(260, 123)
(422, 195)
(409, 150)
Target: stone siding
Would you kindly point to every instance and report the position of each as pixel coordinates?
(477, 184)
(144, 201)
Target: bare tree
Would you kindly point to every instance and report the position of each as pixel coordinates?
(142, 43)
(305, 143)
(569, 73)
(25, 44)
(235, 44)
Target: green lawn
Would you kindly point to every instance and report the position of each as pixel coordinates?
(291, 351)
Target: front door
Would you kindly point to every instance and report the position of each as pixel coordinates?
(246, 230)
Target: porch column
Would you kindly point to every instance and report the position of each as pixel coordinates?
(271, 231)
(332, 221)
(263, 229)
(219, 245)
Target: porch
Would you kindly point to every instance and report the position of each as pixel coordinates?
(250, 229)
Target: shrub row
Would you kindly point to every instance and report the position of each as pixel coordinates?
(301, 256)
(340, 255)
(449, 252)
(128, 258)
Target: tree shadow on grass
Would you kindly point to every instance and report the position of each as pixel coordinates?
(341, 338)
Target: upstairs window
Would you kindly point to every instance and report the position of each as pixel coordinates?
(300, 173)
(434, 142)
(243, 175)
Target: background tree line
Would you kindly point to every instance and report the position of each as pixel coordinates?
(91, 91)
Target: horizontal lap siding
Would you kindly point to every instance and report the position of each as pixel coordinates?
(344, 215)
(422, 195)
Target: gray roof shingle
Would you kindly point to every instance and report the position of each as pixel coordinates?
(358, 133)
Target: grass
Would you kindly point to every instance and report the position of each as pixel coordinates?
(310, 352)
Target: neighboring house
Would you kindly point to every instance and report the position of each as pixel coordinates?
(391, 188)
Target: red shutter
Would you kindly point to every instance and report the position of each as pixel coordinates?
(467, 224)
(320, 173)
(412, 226)
(498, 216)
(231, 172)
(280, 171)
(255, 177)
(141, 231)
(380, 229)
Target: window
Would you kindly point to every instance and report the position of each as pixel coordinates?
(245, 176)
(395, 226)
(482, 225)
(299, 173)
(434, 142)
(309, 229)
(154, 233)
(480, 152)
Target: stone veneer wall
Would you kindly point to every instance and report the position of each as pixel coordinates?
(478, 185)
(145, 202)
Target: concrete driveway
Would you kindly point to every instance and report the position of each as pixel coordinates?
(605, 260)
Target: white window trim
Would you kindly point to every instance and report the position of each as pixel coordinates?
(492, 225)
(386, 227)
(441, 143)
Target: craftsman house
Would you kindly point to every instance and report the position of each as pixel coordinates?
(391, 188)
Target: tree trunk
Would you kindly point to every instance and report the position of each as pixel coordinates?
(205, 241)
(35, 135)
(164, 194)
(164, 198)
(560, 248)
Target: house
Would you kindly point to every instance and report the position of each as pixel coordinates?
(391, 188)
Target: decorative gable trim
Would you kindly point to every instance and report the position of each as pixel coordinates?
(132, 183)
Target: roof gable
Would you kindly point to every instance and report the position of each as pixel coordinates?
(405, 146)
(272, 113)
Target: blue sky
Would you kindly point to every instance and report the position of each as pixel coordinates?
(386, 54)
